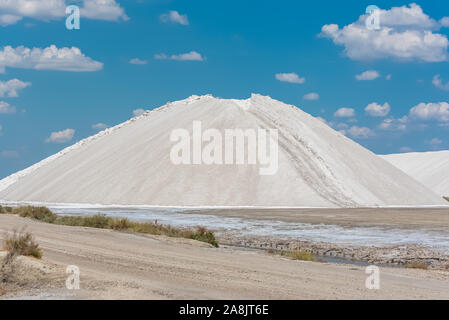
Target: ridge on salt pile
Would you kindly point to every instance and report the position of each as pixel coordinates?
(429, 168)
(130, 164)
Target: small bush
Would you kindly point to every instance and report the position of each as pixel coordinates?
(5, 210)
(417, 265)
(446, 198)
(22, 243)
(39, 213)
(202, 234)
(299, 255)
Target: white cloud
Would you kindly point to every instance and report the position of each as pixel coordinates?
(435, 142)
(344, 113)
(405, 33)
(50, 58)
(138, 112)
(99, 126)
(12, 11)
(175, 17)
(311, 96)
(444, 22)
(61, 136)
(392, 124)
(368, 75)
(360, 132)
(406, 149)
(5, 108)
(9, 88)
(189, 56)
(138, 61)
(9, 154)
(377, 110)
(439, 84)
(289, 77)
(108, 10)
(388, 77)
(1, 128)
(431, 111)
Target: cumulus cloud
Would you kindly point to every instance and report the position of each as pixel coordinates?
(12, 11)
(359, 132)
(175, 17)
(377, 110)
(189, 56)
(138, 112)
(439, 84)
(10, 88)
(6, 108)
(61, 136)
(9, 154)
(108, 10)
(138, 61)
(344, 113)
(405, 33)
(311, 96)
(50, 58)
(392, 124)
(99, 126)
(388, 77)
(435, 142)
(405, 149)
(368, 75)
(289, 77)
(431, 111)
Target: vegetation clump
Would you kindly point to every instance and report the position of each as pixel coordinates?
(39, 213)
(299, 255)
(446, 198)
(120, 224)
(22, 244)
(5, 210)
(417, 265)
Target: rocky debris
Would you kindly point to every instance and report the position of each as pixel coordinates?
(399, 255)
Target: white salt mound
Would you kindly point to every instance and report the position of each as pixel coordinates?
(130, 164)
(429, 168)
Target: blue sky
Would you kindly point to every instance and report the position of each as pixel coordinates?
(237, 47)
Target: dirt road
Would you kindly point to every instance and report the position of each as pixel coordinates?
(130, 266)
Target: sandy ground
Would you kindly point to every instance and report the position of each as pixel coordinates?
(129, 266)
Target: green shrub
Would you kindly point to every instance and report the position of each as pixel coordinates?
(202, 234)
(39, 213)
(101, 221)
(5, 210)
(20, 243)
(299, 255)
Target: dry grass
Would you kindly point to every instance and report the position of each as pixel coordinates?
(22, 244)
(120, 224)
(299, 255)
(416, 265)
(5, 210)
